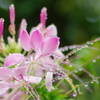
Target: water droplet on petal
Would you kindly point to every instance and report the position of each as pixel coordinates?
(50, 69)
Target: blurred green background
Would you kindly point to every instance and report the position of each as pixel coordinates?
(77, 21)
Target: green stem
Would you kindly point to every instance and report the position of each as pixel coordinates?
(59, 82)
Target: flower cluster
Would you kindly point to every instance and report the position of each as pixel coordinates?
(33, 59)
(41, 59)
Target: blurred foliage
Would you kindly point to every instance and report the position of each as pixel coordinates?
(77, 21)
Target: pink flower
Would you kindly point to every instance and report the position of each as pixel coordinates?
(1, 26)
(21, 75)
(18, 74)
(38, 43)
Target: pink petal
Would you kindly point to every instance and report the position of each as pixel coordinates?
(36, 39)
(25, 40)
(5, 73)
(18, 96)
(32, 79)
(58, 54)
(49, 46)
(23, 26)
(49, 77)
(3, 87)
(43, 16)
(13, 59)
(51, 31)
(1, 26)
(19, 73)
(12, 14)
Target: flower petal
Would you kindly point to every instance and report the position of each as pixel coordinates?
(25, 40)
(32, 79)
(18, 95)
(43, 16)
(36, 39)
(49, 77)
(23, 26)
(3, 87)
(19, 73)
(49, 46)
(5, 73)
(13, 59)
(51, 31)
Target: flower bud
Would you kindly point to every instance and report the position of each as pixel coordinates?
(1, 26)
(12, 14)
(12, 29)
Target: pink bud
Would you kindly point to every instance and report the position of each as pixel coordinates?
(1, 26)
(12, 14)
(43, 16)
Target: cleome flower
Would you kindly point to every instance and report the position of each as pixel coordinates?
(39, 62)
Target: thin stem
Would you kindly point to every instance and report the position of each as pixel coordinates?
(59, 82)
(30, 93)
(82, 46)
(79, 86)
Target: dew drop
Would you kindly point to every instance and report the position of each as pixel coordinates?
(76, 71)
(91, 42)
(98, 57)
(92, 82)
(70, 65)
(59, 77)
(94, 61)
(66, 56)
(67, 78)
(80, 69)
(74, 94)
(50, 69)
(96, 81)
(85, 46)
(86, 85)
